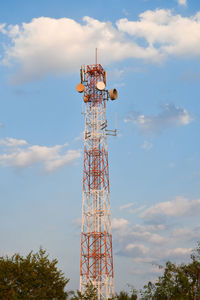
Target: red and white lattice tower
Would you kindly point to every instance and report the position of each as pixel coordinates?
(96, 262)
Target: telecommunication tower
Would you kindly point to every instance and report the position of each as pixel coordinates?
(96, 261)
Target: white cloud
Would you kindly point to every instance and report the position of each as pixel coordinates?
(149, 244)
(130, 239)
(127, 206)
(61, 160)
(153, 270)
(170, 116)
(177, 252)
(119, 224)
(181, 233)
(124, 232)
(143, 260)
(134, 250)
(11, 142)
(153, 244)
(177, 207)
(142, 228)
(2, 28)
(186, 234)
(19, 154)
(168, 33)
(182, 2)
(147, 237)
(160, 254)
(136, 210)
(48, 45)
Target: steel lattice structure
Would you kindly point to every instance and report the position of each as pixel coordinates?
(96, 262)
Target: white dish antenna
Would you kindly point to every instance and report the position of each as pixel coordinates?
(101, 85)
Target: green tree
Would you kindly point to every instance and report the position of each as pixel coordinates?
(132, 295)
(32, 277)
(89, 294)
(178, 282)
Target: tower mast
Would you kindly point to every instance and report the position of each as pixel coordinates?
(96, 261)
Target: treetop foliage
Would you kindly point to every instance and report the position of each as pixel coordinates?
(32, 277)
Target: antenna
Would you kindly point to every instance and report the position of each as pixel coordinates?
(116, 123)
(96, 56)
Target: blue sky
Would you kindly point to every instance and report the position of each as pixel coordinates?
(151, 50)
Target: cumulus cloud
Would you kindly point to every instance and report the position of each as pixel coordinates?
(170, 116)
(148, 243)
(147, 233)
(119, 224)
(148, 237)
(133, 241)
(19, 154)
(11, 142)
(176, 253)
(168, 33)
(140, 232)
(47, 45)
(186, 234)
(2, 28)
(179, 233)
(134, 250)
(177, 207)
(182, 2)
